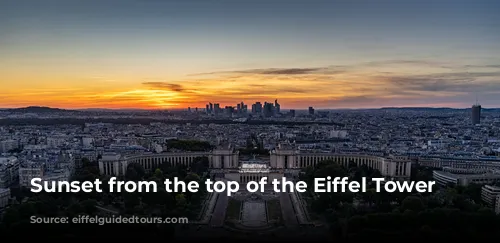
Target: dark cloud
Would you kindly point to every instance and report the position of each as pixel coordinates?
(326, 70)
(286, 71)
(337, 69)
(402, 62)
(447, 82)
(257, 85)
(277, 71)
(483, 66)
(164, 85)
(372, 85)
(262, 88)
(296, 90)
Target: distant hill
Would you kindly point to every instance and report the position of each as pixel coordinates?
(112, 110)
(436, 109)
(38, 109)
(420, 108)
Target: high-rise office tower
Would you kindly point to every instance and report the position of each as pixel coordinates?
(311, 110)
(216, 108)
(476, 114)
(257, 108)
(268, 109)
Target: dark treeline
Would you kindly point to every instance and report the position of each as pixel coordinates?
(254, 146)
(253, 151)
(16, 219)
(452, 213)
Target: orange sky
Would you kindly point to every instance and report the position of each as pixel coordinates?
(177, 54)
(336, 87)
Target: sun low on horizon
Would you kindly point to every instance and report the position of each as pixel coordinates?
(179, 54)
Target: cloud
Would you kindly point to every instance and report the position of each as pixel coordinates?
(165, 85)
(365, 84)
(460, 82)
(378, 83)
(276, 71)
(384, 63)
(372, 66)
(283, 71)
(483, 66)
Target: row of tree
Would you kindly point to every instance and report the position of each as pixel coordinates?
(450, 213)
(148, 204)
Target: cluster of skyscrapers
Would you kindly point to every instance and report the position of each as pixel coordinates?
(266, 109)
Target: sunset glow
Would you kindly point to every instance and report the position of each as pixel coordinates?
(91, 56)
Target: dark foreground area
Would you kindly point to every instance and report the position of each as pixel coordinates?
(150, 232)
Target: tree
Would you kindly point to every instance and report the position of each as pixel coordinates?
(11, 216)
(131, 199)
(158, 174)
(89, 206)
(180, 200)
(192, 177)
(369, 196)
(412, 203)
(135, 172)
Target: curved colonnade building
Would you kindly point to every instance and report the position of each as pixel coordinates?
(459, 162)
(283, 160)
(464, 177)
(463, 170)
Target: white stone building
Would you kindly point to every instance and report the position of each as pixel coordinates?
(9, 171)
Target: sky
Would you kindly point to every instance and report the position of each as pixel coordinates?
(168, 54)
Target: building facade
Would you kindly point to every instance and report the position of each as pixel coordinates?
(284, 159)
(287, 157)
(464, 177)
(489, 194)
(458, 162)
(9, 171)
(476, 114)
(4, 197)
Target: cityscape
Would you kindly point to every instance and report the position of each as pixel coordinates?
(130, 92)
(457, 148)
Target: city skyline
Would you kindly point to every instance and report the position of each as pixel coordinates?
(179, 54)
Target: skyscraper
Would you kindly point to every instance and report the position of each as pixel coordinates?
(476, 114)
(268, 109)
(277, 107)
(257, 108)
(311, 110)
(216, 108)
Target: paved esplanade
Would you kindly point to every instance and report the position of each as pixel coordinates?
(219, 214)
(287, 210)
(254, 213)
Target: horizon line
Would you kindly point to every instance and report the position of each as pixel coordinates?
(186, 108)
